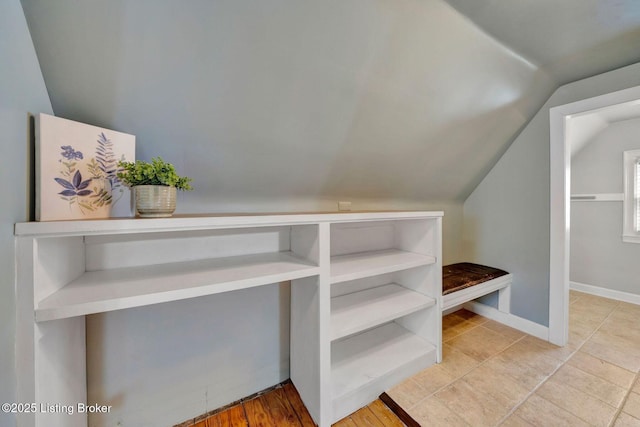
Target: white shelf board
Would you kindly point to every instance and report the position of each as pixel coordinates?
(205, 222)
(365, 365)
(366, 264)
(108, 290)
(359, 311)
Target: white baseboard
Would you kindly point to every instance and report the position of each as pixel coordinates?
(519, 323)
(606, 293)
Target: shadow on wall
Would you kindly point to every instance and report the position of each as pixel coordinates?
(31, 168)
(469, 240)
(470, 254)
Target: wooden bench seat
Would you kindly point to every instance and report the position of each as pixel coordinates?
(463, 282)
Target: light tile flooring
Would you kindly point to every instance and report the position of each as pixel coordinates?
(492, 375)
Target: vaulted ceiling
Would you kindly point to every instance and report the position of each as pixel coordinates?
(402, 99)
(569, 39)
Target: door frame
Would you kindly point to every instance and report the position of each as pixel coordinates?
(560, 208)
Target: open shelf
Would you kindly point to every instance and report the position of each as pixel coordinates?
(366, 264)
(359, 311)
(344, 351)
(108, 290)
(375, 360)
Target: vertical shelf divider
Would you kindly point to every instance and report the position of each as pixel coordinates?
(50, 354)
(310, 345)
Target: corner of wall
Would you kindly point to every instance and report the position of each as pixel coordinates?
(24, 93)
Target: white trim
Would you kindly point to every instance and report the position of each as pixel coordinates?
(629, 232)
(606, 293)
(559, 215)
(630, 239)
(519, 323)
(559, 192)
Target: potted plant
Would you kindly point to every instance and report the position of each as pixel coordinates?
(154, 184)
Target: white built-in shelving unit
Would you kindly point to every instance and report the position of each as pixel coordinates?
(365, 294)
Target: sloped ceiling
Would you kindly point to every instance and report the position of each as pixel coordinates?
(378, 99)
(570, 39)
(583, 128)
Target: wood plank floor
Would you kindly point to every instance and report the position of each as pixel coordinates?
(376, 414)
(282, 406)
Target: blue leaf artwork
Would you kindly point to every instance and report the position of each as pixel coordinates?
(77, 170)
(70, 154)
(76, 187)
(75, 190)
(108, 162)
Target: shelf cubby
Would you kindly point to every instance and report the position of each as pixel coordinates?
(365, 264)
(365, 364)
(359, 311)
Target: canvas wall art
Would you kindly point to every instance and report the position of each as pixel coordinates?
(76, 167)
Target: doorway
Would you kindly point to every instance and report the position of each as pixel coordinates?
(560, 192)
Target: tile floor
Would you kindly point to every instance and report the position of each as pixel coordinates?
(492, 375)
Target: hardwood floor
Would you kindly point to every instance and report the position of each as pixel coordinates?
(376, 414)
(282, 407)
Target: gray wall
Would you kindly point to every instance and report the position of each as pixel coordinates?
(506, 218)
(263, 100)
(22, 91)
(163, 364)
(599, 257)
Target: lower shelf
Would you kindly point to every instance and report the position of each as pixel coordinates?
(365, 365)
(359, 311)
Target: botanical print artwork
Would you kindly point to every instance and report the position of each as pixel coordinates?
(77, 167)
(92, 193)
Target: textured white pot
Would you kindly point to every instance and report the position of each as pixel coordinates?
(155, 201)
